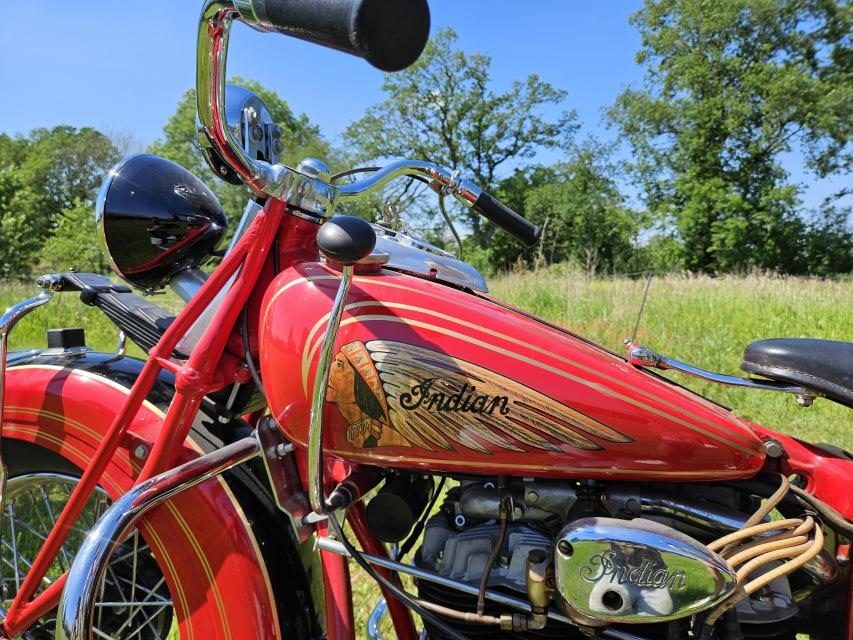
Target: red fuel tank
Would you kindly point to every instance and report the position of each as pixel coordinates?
(428, 376)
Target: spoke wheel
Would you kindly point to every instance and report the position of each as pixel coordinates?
(134, 602)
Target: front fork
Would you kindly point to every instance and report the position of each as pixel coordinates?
(208, 368)
(77, 604)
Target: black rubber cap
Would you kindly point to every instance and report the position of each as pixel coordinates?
(346, 239)
(66, 338)
(389, 34)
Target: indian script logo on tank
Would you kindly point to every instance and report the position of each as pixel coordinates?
(396, 394)
(648, 574)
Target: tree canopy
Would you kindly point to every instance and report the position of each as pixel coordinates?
(730, 87)
(583, 215)
(43, 176)
(442, 109)
(732, 91)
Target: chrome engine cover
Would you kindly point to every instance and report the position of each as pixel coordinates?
(636, 571)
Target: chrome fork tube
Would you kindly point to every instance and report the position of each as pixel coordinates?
(7, 323)
(77, 605)
(316, 493)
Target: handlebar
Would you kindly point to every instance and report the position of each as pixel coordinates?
(360, 27)
(389, 34)
(447, 183)
(508, 220)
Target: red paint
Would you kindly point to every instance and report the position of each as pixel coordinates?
(199, 536)
(199, 375)
(827, 475)
(340, 624)
(670, 433)
(404, 627)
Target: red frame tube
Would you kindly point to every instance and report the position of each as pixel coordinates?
(340, 622)
(404, 626)
(198, 376)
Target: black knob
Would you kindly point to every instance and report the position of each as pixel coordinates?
(346, 239)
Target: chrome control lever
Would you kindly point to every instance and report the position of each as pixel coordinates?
(343, 240)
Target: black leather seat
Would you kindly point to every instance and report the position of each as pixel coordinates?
(823, 365)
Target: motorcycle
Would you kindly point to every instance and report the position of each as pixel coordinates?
(330, 372)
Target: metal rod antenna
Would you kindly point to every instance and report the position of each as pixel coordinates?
(642, 306)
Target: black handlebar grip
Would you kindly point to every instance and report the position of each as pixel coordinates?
(389, 34)
(507, 219)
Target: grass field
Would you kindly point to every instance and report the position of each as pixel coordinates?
(704, 321)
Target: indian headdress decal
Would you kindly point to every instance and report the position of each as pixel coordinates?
(392, 393)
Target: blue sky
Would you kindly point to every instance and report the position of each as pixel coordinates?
(122, 66)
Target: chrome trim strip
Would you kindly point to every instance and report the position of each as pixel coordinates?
(448, 183)
(187, 283)
(643, 357)
(413, 255)
(212, 49)
(335, 546)
(379, 611)
(316, 494)
(100, 208)
(77, 604)
(18, 357)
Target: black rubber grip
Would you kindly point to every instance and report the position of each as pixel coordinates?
(507, 219)
(389, 34)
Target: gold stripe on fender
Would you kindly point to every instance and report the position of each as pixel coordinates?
(307, 358)
(156, 539)
(179, 518)
(117, 489)
(559, 372)
(376, 455)
(39, 435)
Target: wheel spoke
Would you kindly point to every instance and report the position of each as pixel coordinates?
(133, 601)
(14, 538)
(49, 510)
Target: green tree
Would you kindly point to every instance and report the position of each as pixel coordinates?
(583, 214)
(43, 176)
(74, 243)
(300, 138)
(730, 87)
(828, 242)
(442, 109)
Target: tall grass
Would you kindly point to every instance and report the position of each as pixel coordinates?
(706, 322)
(66, 310)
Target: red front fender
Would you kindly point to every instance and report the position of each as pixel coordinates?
(202, 539)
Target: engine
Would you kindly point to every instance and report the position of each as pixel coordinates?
(614, 556)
